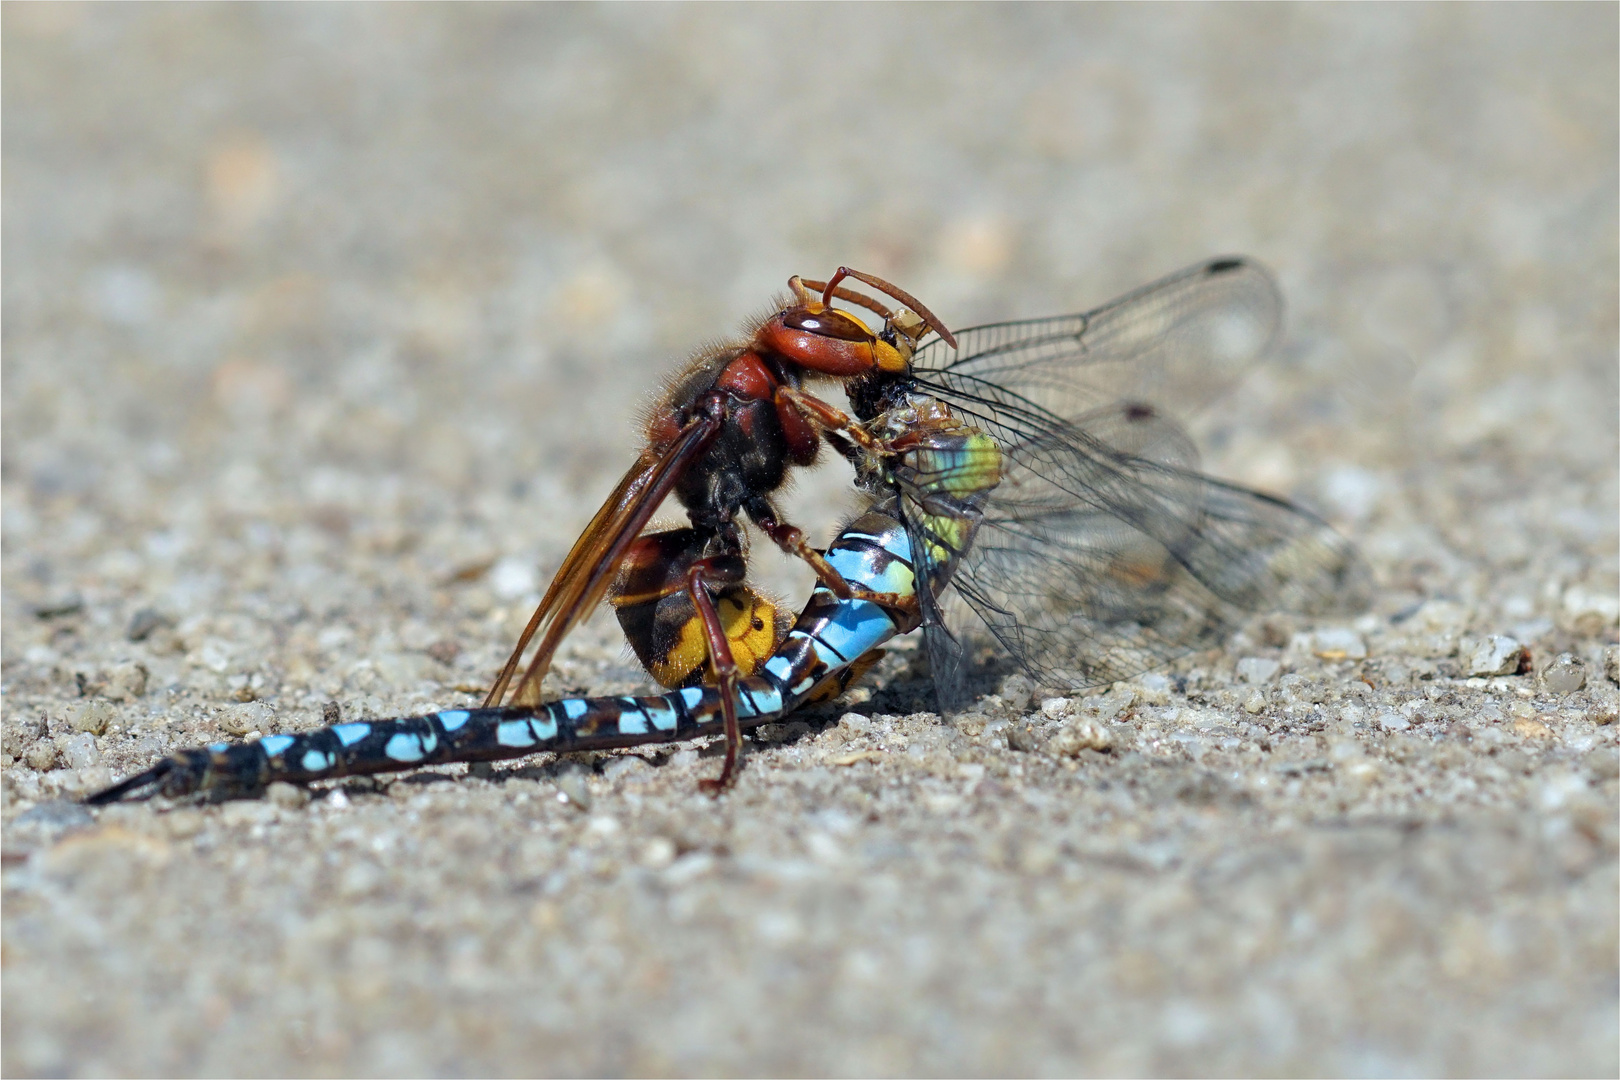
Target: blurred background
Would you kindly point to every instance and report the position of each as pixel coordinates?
(310, 310)
(362, 264)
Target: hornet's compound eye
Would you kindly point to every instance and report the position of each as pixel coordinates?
(828, 323)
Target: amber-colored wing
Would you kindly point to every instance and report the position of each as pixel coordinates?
(589, 569)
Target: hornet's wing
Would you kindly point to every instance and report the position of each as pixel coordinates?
(594, 561)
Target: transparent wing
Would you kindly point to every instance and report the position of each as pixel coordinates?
(1104, 553)
(947, 659)
(588, 570)
(1180, 342)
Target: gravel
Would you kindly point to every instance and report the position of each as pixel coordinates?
(327, 328)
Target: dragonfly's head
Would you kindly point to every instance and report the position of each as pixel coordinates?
(903, 330)
(815, 335)
(877, 392)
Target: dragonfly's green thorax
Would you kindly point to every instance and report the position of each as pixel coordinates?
(943, 470)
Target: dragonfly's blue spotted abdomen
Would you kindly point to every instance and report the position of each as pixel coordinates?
(830, 636)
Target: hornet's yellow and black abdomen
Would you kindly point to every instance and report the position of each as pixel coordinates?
(654, 605)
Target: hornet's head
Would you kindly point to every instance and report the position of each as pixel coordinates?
(819, 337)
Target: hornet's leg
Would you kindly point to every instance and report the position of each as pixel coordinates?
(653, 601)
(725, 671)
(827, 416)
(796, 405)
(790, 538)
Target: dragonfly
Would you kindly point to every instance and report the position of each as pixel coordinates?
(1104, 551)
(834, 641)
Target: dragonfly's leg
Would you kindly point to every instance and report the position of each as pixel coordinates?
(725, 672)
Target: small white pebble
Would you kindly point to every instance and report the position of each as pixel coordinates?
(1255, 703)
(1353, 491)
(1344, 749)
(1393, 721)
(92, 717)
(658, 853)
(1361, 771)
(572, 786)
(1560, 789)
(1016, 691)
(1257, 669)
(183, 822)
(972, 724)
(619, 766)
(242, 719)
(1078, 735)
(512, 578)
(287, 796)
(1115, 702)
(1590, 611)
(80, 751)
(1565, 675)
(1532, 727)
(125, 682)
(1340, 643)
(823, 848)
(1442, 617)
(42, 755)
(214, 654)
(692, 865)
(358, 879)
(1054, 708)
(1021, 738)
(1298, 690)
(95, 777)
(1154, 689)
(1496, 655)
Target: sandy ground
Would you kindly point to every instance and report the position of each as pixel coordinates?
(326, 328)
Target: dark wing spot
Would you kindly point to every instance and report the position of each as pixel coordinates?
(1224, 266)
(1137, 412)
(759, 623)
